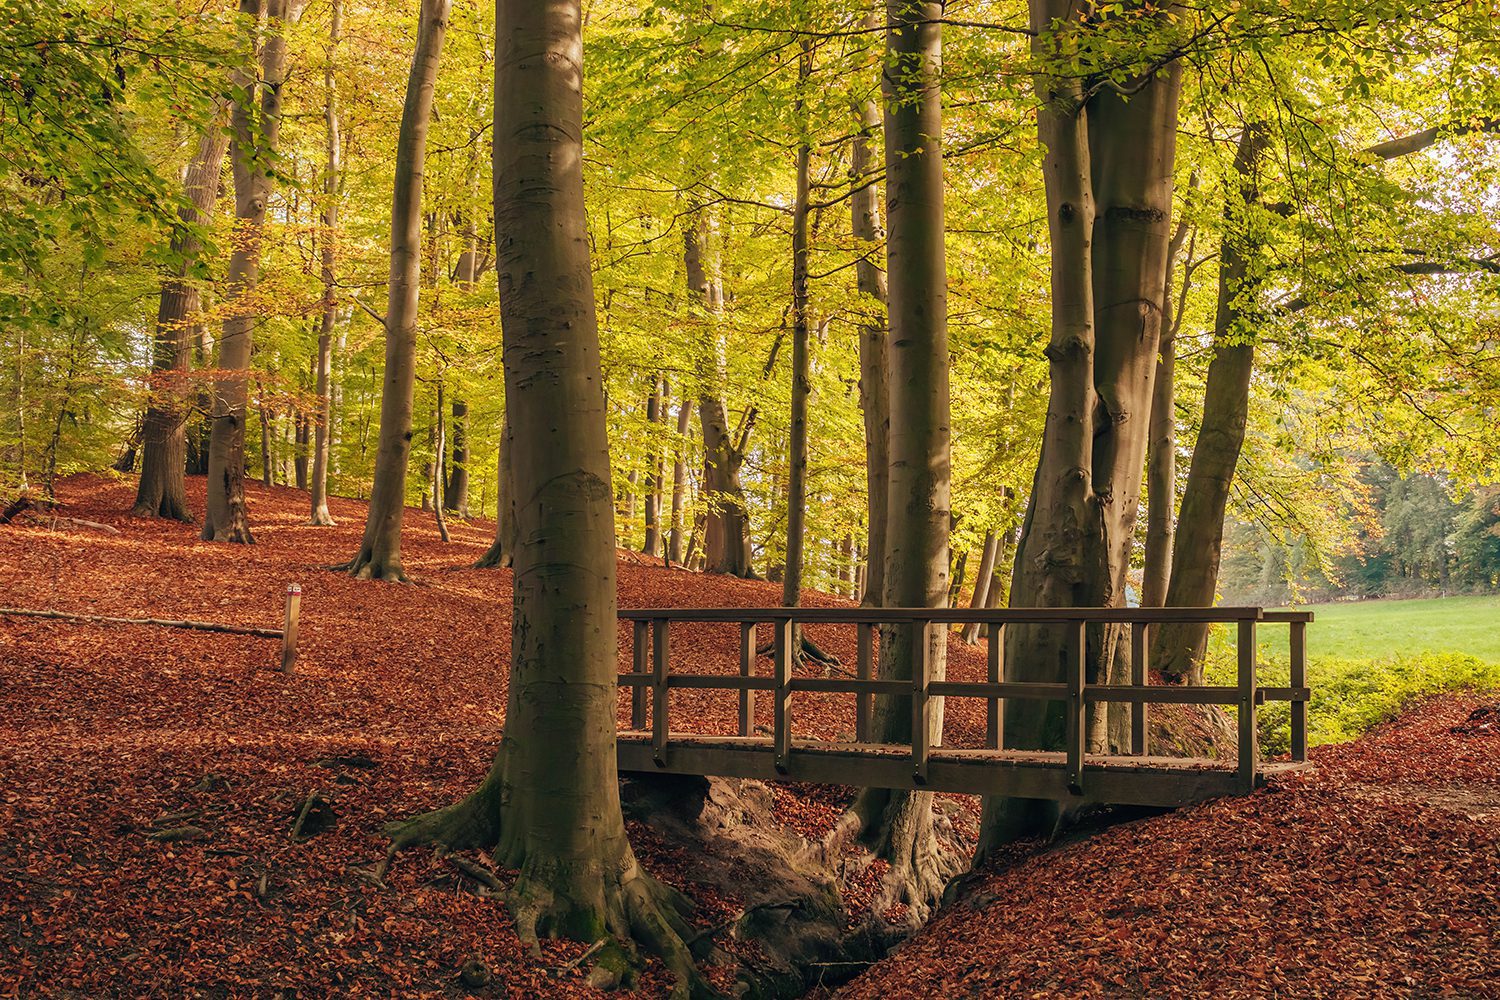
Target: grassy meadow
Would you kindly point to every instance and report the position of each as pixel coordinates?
(1366, 659)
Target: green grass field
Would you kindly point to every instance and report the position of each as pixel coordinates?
(1377, 629)
(1366, 660)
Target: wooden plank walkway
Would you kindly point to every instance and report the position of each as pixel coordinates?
(1070, 774)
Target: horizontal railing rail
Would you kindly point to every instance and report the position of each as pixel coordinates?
(651, 672)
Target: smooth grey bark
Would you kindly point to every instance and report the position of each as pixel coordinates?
(679, 483)
(379, 556)
(655, 414)
(864, 208)
(456, 496)
(323, 365)
(502, 550)
(1161, 449)
(726, 531)
(1177, 649)
(550, 806)
(897, 824)
(796, 494)
(1108, 171)
(252, 149)
(161, 491)
(982, 583)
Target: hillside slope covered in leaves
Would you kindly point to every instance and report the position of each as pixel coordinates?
(150, 780)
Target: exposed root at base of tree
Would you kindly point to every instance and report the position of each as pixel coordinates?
(498, 557)
(901, 828)
(164, 509)
(322, 519)
(365, 567)
(613, 898)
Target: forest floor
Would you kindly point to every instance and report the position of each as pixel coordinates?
(150, 779)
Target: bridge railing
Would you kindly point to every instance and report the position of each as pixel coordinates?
(651, 674)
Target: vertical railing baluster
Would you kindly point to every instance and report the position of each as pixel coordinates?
(640, 653)
(920, 635)
(1140, 712)
(1077, 722)
(864, 671)
(782, 724)
(1249, 737)
(747, 669)
(994, 707)
(660, 713)
(1299, 680)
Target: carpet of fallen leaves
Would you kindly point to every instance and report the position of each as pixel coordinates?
(150, 779)
(1376, 874)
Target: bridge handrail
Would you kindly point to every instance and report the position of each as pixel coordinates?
(651, 646)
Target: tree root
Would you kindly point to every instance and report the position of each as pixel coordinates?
(366, 567)
(900, 828)
(496, 557)
(584, 903)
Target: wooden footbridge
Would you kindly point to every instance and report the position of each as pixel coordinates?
(1070, 774)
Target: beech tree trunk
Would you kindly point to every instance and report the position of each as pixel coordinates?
(796, 494)
(323, 424)
(864, 208)
(726, 532)
(654, 416)
(982, 584)
(1177, 649)
(550, 805)
(1108, 171)
(379, 556)
(161, 491)
(1161, 450)
(679, 483)
(502, 549)
(456, 498)
(897, 824)
(252, 148)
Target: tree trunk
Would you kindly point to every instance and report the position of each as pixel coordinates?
(252, 148)
(502, 549)
(1161, 451)
(726, 532)
(896, 824)
(267, 417)
(439, 502)
(796, 496)
(550, 805)
(323, 425)
(379, 556)
(654, 416)
(1108, 173)
(1177, 650)
(864, 208)
(679, 482)
(982, 583)
(161, 491)
(457, 498)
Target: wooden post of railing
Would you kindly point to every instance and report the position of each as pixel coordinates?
(638, 666)
(289, 633)
(782, 695)
(660, 649)
(864, 671)
(1077, 718)
(1299, 680)
(747, 668)
(1140, 713)
(994, 722)
(921, 705)
(1249, 737)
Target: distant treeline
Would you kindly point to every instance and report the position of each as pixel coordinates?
(1417, 536)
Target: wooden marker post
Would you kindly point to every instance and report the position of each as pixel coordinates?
(289, 635)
